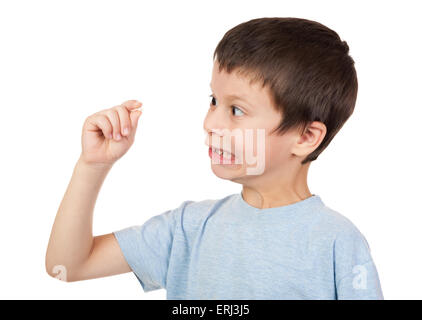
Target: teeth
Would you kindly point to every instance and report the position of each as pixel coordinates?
(220, 152)
(227, 155)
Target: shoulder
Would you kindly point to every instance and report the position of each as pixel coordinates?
(354, 267)
(334, 222)
(346, 239)
(196, 211)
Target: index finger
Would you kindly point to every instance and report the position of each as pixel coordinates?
(132, 104)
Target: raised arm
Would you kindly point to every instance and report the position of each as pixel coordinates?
(73, 253)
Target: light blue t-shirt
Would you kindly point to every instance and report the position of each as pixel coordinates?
(228, 249)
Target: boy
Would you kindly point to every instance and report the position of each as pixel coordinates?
(285, 86)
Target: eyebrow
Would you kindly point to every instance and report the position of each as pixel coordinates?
(234, 96)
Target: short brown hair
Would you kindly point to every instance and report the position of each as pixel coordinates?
(307, 66)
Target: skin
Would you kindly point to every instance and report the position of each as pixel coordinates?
(284, 180)
(74, 254)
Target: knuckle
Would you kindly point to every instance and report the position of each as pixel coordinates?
(110, 112)
(92, 117)
(107, 125)
(119, 108)
(112, 115)
(104, 121)
(123, 112)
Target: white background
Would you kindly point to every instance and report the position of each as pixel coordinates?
(61, 61)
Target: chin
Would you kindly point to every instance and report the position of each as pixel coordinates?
(227, 172)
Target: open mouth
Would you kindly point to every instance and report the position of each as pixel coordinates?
(221, 156)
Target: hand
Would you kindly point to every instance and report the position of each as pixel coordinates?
(104, 135)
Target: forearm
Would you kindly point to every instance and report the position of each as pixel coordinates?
(71, 237)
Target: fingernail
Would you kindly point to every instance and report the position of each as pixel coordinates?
(118, 136)
(125, 131)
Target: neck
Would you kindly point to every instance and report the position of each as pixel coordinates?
(277, 189)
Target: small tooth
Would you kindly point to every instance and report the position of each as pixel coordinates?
(229, 156)
(218, 151)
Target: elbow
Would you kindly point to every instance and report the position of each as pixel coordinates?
(57, 271)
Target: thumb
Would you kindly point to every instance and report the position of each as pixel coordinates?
(134, 117)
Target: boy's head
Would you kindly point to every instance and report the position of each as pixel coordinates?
(298, 82)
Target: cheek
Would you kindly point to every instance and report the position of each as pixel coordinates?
(265, 149)
(276, 149)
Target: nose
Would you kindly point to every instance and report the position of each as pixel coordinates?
(215, 121)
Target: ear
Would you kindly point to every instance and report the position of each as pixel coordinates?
(310, 139)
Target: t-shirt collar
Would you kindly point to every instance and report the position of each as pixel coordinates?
(310, 202)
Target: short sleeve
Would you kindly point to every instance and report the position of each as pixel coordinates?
(147, 248)
(355, 272)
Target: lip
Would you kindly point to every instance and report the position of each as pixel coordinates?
(219, 159)
(210, 146)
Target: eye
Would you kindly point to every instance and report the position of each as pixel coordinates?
(212, 99)
(234, 108)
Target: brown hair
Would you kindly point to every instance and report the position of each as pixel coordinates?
(308, 68)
